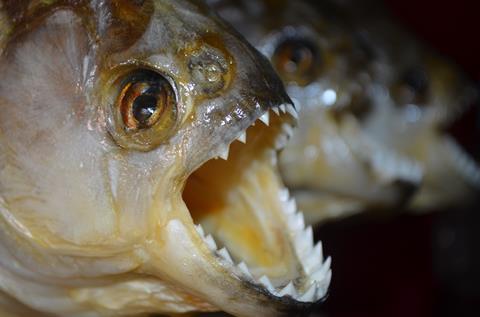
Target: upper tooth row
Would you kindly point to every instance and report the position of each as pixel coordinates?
(265, 118)
(318, 272)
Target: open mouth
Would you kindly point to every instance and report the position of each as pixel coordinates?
(247, 219)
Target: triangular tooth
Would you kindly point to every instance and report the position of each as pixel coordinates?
(313, 261)
(224, 154)
(309, 295)
(296, 222)
(223, 252)
(288, 290)
(243, 137)
(291, 110)
(210, 242)
(323, 286)
(284, 194)
(277, 112)
(290, 207)
(200, 230)
(244, 268)
(265, 118)
(265, 281)
(304, 241)
(283, 108)
(320, 274)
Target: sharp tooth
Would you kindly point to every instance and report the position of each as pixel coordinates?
(320, 274)
(265, 281)
(277, 112)
(288, 130)
(200, 230)
(313, 261)
(309, 295)
(225, 255)
(283, 108)
(210, 242)
(244, 268)
(326, 283)
(304, 241)
(288, 290)
(224, 154)
(296, 222)
(265, 118)
(284, 194)
(291, 110)
(290, 207)
(243, 137)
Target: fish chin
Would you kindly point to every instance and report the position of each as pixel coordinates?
(243, 240)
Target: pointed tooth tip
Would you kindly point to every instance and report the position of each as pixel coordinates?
(224, 154)
(200, 230)
(265, 118)
(309, 295)
(288, 290)
(276, 111)
(265, 281)
(223, 252)
(243, 137)
(211, 242)
(283, 108)
(291, 110)
(244, 269)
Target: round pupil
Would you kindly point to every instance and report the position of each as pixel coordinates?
(144, 107)
(417, 79)
(300, 54)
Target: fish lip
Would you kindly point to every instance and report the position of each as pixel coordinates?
(315, 284)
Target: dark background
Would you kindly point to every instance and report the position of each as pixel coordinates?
(407, 265)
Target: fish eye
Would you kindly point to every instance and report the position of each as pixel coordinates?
(146, 95)
(413, 87)
(144, 111)
(297, 60)
(417, 80)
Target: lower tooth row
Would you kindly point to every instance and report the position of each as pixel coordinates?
(315, 291)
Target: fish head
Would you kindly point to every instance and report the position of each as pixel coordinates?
(138, 145)
(331, 71)
(424, 109)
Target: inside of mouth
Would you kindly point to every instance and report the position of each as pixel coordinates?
(237, 202)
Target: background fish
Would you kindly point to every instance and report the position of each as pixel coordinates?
(359, 146)
(124, 176)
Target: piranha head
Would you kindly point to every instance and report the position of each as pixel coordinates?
(424, 110)
(332, 166)
(138, 165)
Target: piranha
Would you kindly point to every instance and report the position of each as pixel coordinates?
(424, 109)
(375, 106)
(331, 165)
(138, 166)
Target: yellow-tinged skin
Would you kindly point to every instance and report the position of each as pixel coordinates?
(92, 220)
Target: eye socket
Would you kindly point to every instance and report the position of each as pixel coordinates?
(413, 87)
(297, 60)
(145, 110)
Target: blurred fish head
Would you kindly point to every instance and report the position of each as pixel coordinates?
(424, 110)
(331, 71)
(138, 174)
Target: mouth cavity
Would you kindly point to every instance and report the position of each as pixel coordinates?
(248, 220)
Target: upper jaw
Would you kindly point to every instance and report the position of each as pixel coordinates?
(210, 271)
